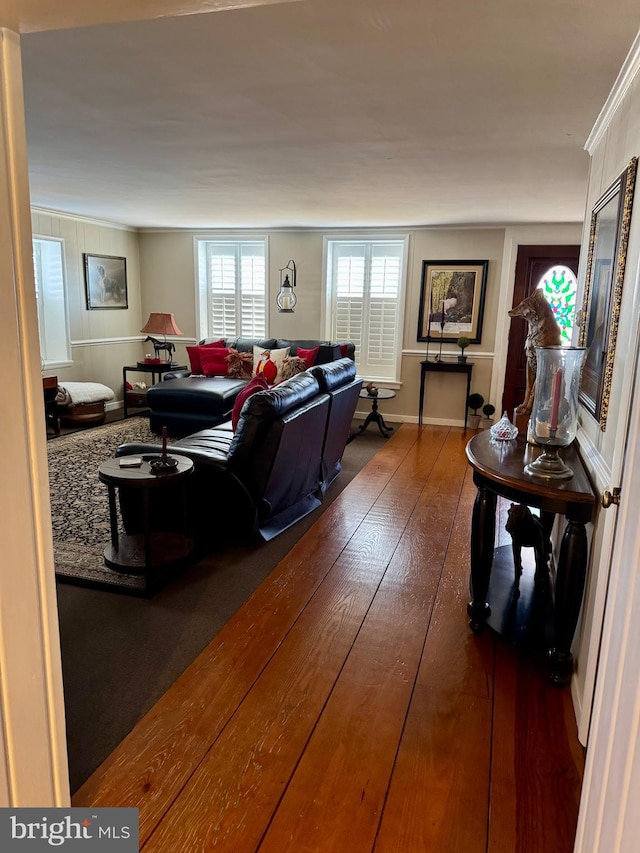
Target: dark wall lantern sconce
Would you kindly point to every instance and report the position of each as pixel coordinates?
(286, 298)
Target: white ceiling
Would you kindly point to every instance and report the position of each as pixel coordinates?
(320, 112)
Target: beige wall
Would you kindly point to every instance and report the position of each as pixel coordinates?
(161, 277)
(167, 278)
(102, 341)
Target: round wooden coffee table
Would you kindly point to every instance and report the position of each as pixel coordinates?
(151, 550)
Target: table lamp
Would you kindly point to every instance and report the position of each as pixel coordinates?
(161, 324)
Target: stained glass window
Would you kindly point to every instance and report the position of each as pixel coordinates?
(559, 286)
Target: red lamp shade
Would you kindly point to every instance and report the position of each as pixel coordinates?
(161, 324)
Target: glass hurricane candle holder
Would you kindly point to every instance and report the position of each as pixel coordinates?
(554, 416)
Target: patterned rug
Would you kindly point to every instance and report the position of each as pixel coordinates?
(79, 503)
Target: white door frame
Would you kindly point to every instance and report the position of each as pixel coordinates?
(609, 818)
(33, 756)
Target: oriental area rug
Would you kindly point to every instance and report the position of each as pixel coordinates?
(79, 502)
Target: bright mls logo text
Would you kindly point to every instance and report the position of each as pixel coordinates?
(113, 829)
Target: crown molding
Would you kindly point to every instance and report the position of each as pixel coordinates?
(624, 79)
(105, 223)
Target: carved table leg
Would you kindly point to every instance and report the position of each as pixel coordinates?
(572, 567)
(483, 531)
(547, 519)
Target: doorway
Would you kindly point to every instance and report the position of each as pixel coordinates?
(532, 264)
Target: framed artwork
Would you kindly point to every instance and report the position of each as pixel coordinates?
(452, 300)
(608, 241)
(105, 280)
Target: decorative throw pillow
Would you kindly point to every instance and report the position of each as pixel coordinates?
(239, 364)
(291, 365)
(344, 350)
(258, 383)
(268, 363)
(214, 361)
(309, 355)
(194, 354)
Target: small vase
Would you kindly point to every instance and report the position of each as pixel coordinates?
(462, 359)
(473, 421)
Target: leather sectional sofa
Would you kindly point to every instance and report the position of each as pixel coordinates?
(269, 473)
(184, 403)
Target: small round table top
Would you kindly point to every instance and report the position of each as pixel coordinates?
(383, 394)
(111, 473)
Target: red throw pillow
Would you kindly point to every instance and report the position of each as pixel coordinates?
(258, 383)
(214, 361)
(309, 355)
(344, 350)
(194, 354)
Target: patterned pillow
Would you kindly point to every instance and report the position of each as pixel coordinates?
(268, 363)
(291, 365)
(239, 364)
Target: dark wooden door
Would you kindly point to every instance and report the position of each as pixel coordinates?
(531, 264)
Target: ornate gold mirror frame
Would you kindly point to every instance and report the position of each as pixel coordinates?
(608, 241)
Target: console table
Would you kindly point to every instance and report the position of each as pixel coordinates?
(498, 469)
(444, 367)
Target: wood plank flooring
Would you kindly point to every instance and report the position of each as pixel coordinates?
(348, 707)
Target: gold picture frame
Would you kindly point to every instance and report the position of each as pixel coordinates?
(608, 241)
(452, 300)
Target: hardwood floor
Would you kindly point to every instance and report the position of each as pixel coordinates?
(347, 705)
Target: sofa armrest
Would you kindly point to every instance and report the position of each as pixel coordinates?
(176, 374)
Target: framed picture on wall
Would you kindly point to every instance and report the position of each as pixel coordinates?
(452, 300)
(608, 240)
(105, 279)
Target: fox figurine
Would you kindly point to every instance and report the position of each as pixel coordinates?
(543, 332)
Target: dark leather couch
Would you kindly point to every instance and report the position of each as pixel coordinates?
(273, 470)
(186, 404)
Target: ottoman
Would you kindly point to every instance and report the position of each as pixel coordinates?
(82, 403)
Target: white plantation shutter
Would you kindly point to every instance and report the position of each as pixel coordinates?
(51, 299)
(235, 288)
(349, 284)
(365, 286)
(253, 290)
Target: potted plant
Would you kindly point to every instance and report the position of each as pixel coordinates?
(488, 411)
(474, 402)
(463, 343)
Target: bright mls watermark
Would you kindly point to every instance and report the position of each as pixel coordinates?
(69, 829)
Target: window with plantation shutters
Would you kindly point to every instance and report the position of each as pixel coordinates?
(51, 300)
(365, 280)
(232, 279)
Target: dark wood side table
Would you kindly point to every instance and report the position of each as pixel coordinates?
(374, 416)
(50, 391)
(152, 552)
(138, 399)
(498, 469)
(444, 367)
